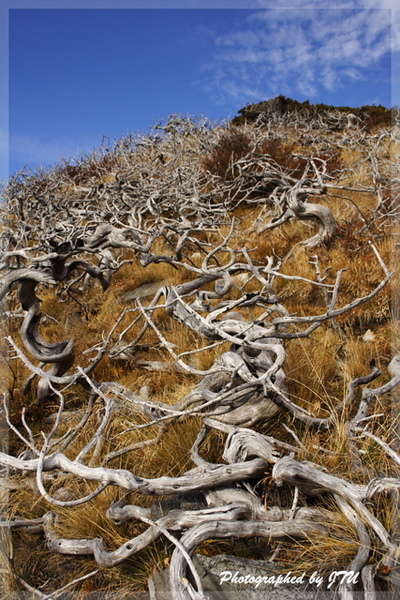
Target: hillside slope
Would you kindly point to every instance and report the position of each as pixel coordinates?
(212, 311)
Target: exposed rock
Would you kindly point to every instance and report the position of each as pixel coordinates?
(223, 578)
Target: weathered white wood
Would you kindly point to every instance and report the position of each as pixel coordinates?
(196, 479)
(236, 495)
(244, 443)
(176, 520)
(295, 205)
(196, 535)
(367, 576)
(313, 481)
(346, 588)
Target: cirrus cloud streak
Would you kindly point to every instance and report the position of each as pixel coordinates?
(300, 52)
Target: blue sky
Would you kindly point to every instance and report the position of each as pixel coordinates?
(82, 70)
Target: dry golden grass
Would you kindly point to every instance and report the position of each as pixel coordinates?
(324, 552)
(8, 582)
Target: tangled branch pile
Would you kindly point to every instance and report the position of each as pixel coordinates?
(183, 322)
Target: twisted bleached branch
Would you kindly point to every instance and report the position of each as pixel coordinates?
(61, 354)
(176, 520)
(360, 560)
(292, 528)
(314, 481)
(196, 479)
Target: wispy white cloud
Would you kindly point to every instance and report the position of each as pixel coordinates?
(34, 152)
(302, 50)
(392, 5)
